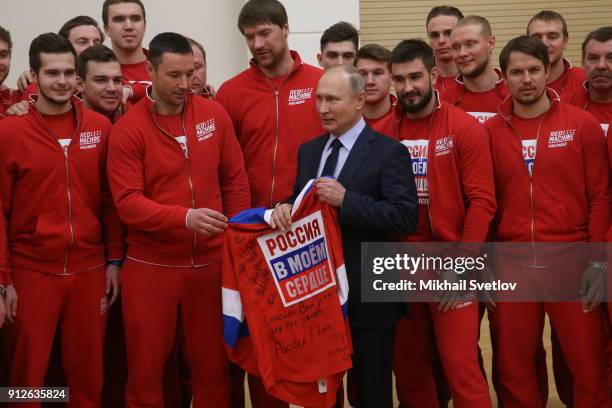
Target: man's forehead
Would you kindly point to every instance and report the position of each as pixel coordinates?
(48, 59)
(441, 23)
(468, 30)
(409, 67)
(84, 30)
(545, 26)
(258, 27)
(3, 45)
(340, 47)
(366, 63)
(124, 10)
(594, 46)
(110, 68)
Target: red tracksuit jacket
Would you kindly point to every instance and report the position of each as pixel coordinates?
(570, 81)
(271, 124)
(154, 184)
(566, 199)
(59, 208)
(459, 173)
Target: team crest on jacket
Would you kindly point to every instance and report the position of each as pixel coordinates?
(444, 145)
(299, 96)
(89, 140)
(205, 130)
(299, 259)
(560, 138)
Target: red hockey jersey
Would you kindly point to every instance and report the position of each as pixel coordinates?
(292, 289)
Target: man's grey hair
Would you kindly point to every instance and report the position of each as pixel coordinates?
(355, 79)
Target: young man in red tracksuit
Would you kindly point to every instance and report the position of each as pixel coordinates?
(8, 97)
(439, 24)
(532, 138)
(454, 177)
(125, 22)
(272, 107)
(372, 61)
(175, 170)
(479, 87)
(551, 28)
(52, 183)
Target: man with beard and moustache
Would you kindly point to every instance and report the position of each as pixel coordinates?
(551, 179)
(450, 152)
(372, 61)
(125, 23)
(175, 170)
(273, 109)
(479, 87)
(281, 87)
(439, 24)
(59, 213)
(550, 27)
(8, 97)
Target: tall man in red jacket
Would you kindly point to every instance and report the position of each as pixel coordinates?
(439, 24)
(125, 22)
(454, 178)
(479, 87)
(548, 191)
(550, 27)
(176, 173)
(272, 105)
(52, 183)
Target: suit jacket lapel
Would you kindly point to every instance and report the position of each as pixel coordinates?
(357, 156)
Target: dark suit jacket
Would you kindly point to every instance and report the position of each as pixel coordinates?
(380, 203)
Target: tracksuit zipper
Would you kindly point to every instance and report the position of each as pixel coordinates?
(69, 195)
(189, 178)
(531, 193)
(277, 135)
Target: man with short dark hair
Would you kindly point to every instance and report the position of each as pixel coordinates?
(370, 209)
(439, 24)
(450, 155)
(62, 228)
(281, 87)
(339, 44)
(372, 61)
(176, 173)
(8, 97)
(82, 32)
(101, 81)
(479, 87)
(536, 142)
(125, 23)
(550, 27)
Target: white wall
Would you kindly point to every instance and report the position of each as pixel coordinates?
(212, 22)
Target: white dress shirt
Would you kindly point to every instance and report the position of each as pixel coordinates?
(347, 139)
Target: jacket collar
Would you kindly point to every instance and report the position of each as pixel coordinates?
(506, 107)
(150, 102)
(500, 79)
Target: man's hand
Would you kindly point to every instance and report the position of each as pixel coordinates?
(2, 312)
(10, 301)
(211, 90)
(449, 299)
(281, 217)
(24, 80)
(19, 109)
(330, 191)
(206, 221)
(592, 287)
(112, 283)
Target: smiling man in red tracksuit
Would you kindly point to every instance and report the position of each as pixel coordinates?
(176, 171)
(272, 105)
(547, 191)
(52, 183)
(454, 177)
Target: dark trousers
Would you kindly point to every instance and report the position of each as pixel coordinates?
(373, 366)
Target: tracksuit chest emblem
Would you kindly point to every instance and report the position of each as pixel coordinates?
(560, 138)
(444, 145)
(89, 140)
(205, 130)
(299, 96)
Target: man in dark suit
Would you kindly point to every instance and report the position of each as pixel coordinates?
(370, 181)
